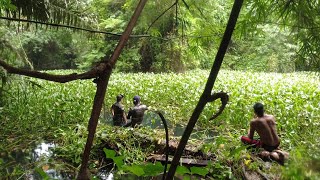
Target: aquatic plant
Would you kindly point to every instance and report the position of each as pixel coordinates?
(36, 109)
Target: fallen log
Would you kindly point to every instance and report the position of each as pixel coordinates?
(184, 161)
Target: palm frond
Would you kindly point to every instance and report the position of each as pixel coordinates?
(51, 12)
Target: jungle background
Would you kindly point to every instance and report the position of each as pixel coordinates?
(275, 46)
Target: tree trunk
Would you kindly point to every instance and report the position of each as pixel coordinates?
(102, 84)
(208, 88)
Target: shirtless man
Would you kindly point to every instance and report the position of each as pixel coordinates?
(118, 113)
(265, 126)
(136, 113)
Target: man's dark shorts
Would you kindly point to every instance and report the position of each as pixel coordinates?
(258, 144)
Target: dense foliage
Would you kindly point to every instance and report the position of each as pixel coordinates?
(176, 36)
(36, 109)
(171, 36)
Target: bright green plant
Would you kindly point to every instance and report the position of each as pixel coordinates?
(71, 144)
(147, 169)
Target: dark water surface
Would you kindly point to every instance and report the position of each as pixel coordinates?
(153, 121)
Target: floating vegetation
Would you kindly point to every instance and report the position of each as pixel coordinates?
(35, 110)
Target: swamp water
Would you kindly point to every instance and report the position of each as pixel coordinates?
(153, 121)
(27, 160)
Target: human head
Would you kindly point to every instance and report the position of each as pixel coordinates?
(119, 97)
(136, 99)
(258, 109)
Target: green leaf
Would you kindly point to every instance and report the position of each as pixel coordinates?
(182, 170)
(186, 177)
(42, 173)
(151, 169)
(109, 153)
(237, 150)
(135, 169)
(118, 161)
(199, 170)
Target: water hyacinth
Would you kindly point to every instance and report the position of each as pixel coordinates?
(38, 107)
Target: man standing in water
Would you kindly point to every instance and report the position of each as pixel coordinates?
(136, 113)
(265, 126)
(117, 111)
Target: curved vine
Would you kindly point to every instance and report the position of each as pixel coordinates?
(224, 97)
(167, 143)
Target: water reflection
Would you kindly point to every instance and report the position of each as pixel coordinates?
(27, 156)
(43, 150)
(29, 159)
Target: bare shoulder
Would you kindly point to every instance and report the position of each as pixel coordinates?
(269, 116)
(254, 121)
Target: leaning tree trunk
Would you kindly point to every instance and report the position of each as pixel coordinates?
(102, 72)
(102, 83)
(206, 95)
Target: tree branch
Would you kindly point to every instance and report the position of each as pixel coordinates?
(160, 16)
(94, 72)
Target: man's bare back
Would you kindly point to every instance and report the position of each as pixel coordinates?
(266, 128)
(265, 125)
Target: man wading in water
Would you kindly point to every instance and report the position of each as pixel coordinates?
(265, 126)
(117, 111)
(136, 113)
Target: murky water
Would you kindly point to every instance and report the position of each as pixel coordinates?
(153, 121)
(27, 160)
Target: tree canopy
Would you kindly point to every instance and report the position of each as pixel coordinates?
(179, 35)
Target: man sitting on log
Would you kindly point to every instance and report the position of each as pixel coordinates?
(265, 126)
